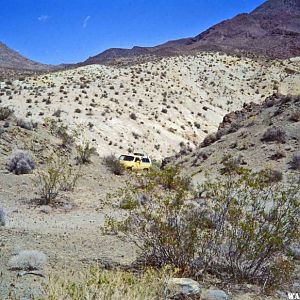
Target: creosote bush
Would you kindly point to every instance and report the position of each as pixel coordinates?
(84, 153)
(20, 162)
(237, 227)
(57, 175)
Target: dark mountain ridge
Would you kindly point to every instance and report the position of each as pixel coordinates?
(272, 29)
(11, 59)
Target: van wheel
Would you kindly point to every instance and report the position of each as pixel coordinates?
(146, 170)
(129, 168)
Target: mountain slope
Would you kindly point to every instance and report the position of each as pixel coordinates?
(11, 59)
(156, 106)
(273, 29)
(260, 136)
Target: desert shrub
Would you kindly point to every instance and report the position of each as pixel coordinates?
(107, 284)
(84, 153)
(163, 227)
(113, 164)
(133, 116)
(28, 125)
(237, 227)
(5, 113)
(57, 175)
(2, 217)
(254, 222)
(272, 175)
(274, 134)
(62, 132)
(295, 116)
(209, 139)
(230, 164)
(28, 260)
(295, 162)
(20, 162)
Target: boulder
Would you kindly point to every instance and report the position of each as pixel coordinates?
(214, 295)
(182, 287)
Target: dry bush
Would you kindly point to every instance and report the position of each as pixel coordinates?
(295, 162)
(28, 260)
(57, 175)
(104, 284)
(274, 134)
(114, 165)
(84, 153)
(62, 132)
(20, 162)
(5, 113)
(237, 227)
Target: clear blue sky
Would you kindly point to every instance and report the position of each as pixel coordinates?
(65, 31)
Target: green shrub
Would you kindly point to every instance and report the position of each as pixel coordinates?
(237, 227)
(57, 175)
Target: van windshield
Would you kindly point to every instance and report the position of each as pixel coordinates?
(126, 158)
(146, 160)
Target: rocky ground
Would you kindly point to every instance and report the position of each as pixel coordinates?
(69, 233)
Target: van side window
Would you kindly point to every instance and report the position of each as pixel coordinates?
(145, 160)
(127, 158)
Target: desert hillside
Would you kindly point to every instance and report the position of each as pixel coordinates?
(258, 137)
(155, 106)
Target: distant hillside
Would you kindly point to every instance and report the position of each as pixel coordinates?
(273, 29)
(11, 59)
(260, 136)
